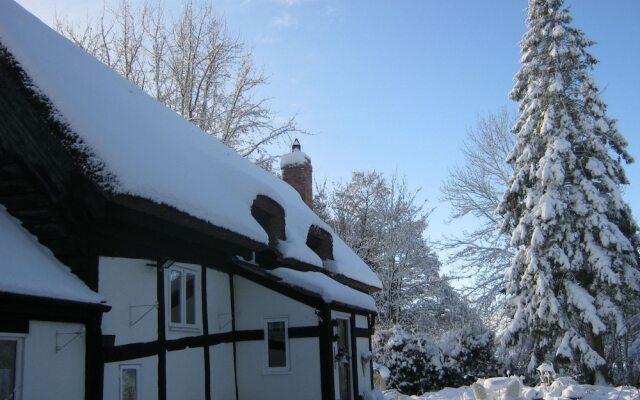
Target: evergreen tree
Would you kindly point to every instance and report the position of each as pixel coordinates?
(575, 266)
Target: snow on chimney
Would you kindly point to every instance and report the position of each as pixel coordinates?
(297, 172)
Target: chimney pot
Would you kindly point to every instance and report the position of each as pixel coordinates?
(296, 146)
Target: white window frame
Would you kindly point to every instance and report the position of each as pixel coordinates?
(19, 339)
(137, 368)
(183, 325)
(276, 370)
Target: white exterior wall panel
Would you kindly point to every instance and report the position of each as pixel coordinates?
(364, 370)
(129, 285)
(254, 303)
(222, 378)
(218, 301)
(362, 321)
(185, 374)
(50, 374)
(301, 382)
(148, 379)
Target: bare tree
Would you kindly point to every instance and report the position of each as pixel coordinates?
(191, 64)
(475, 189)
(382, 220)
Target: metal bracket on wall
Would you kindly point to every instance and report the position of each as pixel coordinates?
(148, 309)
(74, 336)
(224, 319)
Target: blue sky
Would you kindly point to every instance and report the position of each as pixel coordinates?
(394, 85)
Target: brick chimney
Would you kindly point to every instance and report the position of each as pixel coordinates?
(297, 172)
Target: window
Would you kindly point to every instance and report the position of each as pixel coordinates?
(183, 304)
(277, 344)
(321, 242)
(270, 216)
(10, 368)
(129, 382)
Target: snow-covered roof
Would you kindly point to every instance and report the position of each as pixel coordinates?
(29, 268)
(296, 157)
(144, 149)
(330, 290)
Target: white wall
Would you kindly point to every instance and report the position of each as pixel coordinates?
(222, 378)
(301, 382)
(364, 371)
(254, 303)
(362, 321)
(148, 368)
(364, 379)
(48, 374)
(220, 355)
(218, 301)
(185, 374)
(128, 282)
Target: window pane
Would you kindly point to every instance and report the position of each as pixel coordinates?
(191, 298)
(277, 344)
(175, 297)
(7, 368)
(129, 382)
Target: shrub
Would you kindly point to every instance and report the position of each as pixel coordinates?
(418, 363)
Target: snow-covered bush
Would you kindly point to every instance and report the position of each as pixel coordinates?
(465, 355)
(418, 363)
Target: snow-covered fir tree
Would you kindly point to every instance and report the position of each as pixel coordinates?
(575, 266)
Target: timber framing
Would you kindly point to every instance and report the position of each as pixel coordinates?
(48, 186)
(255, 274)
(68, 205)
(354, 358)
(17, 310)
(132, 351)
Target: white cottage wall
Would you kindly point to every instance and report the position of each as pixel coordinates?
(220, 355)
(222, 378)
(218, 301)
(129, 285)
(253, 304)
(362, 321)
(302, 381)
(364, 369)
(50, 374)
(148, 379)
(185, 374)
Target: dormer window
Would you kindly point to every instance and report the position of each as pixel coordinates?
(270, 216)
(321, 242)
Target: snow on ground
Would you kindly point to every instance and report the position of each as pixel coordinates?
(560, 389)
(139, 147)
